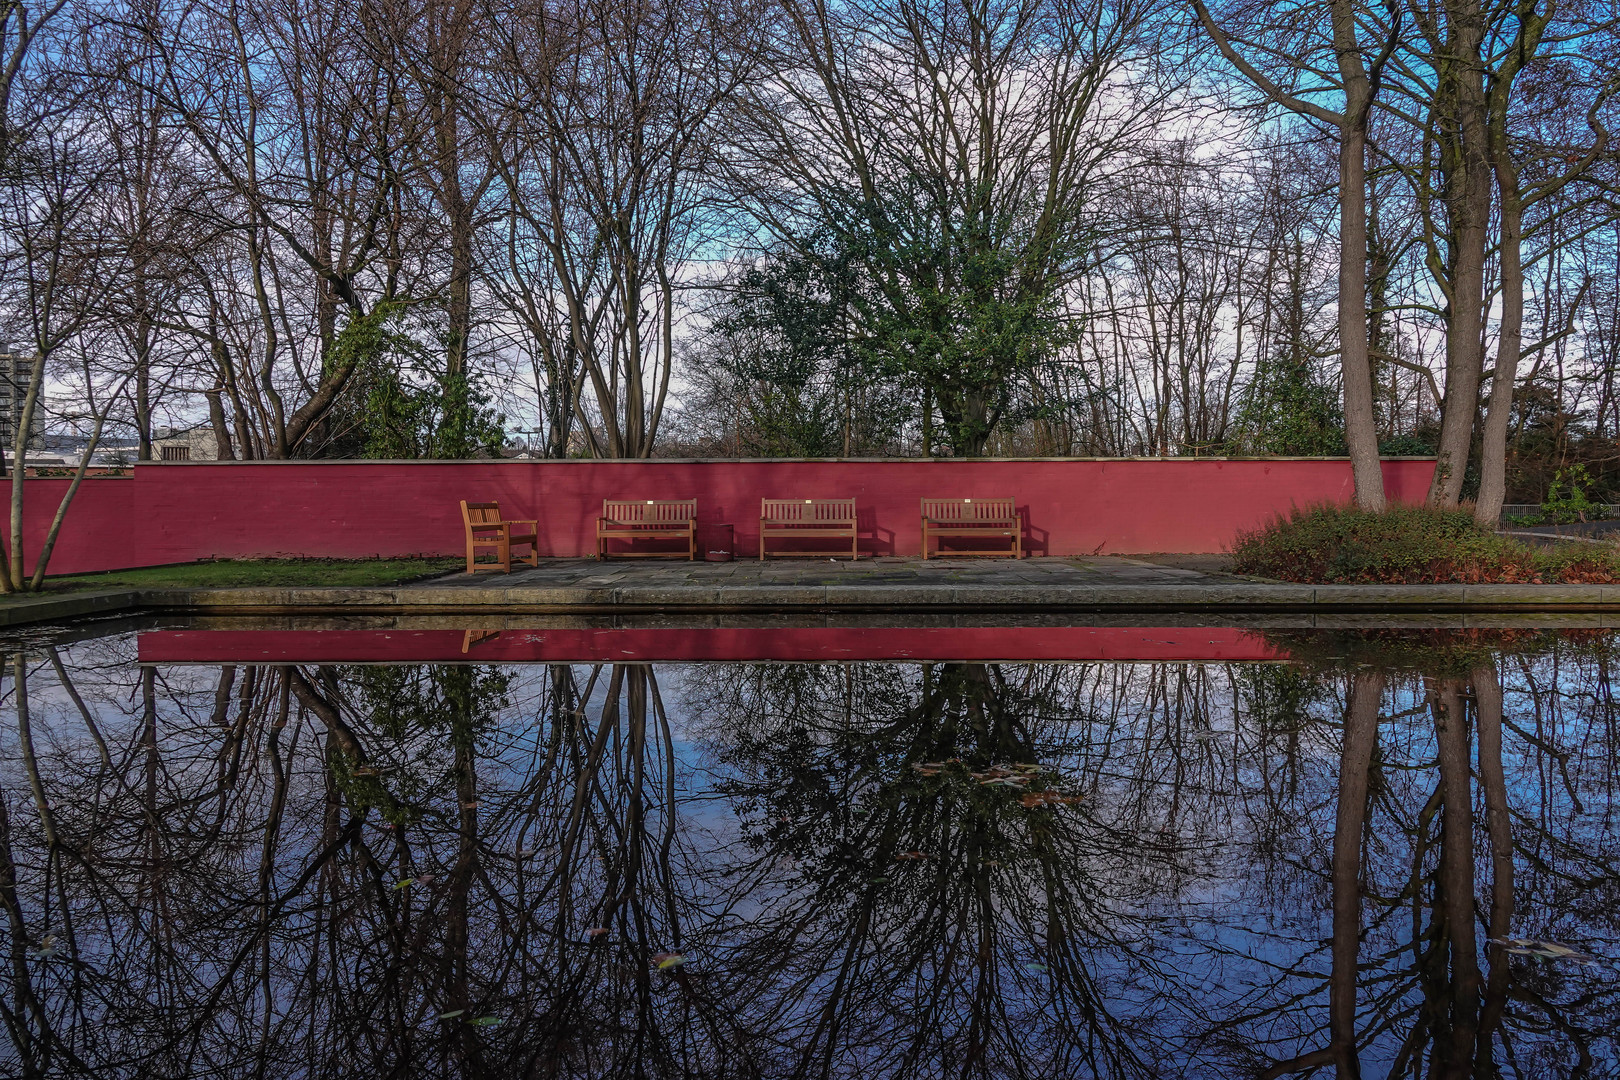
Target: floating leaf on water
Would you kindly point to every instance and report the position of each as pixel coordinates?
(364, 770)
(425, 879)
(473, 805)
(910, 856)
(597, 931)
(668, 961)
(1546, 950)
(1039, 969)
(452, 1014)
(485, 1021)
(525, 853)
(46, 948)
(1048, 798)
(404, 883)
(877, 881)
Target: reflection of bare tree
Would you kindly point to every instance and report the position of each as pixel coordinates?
(1414, 911)
(780, 870)
(949, 907)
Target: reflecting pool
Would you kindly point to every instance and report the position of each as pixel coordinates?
(275, 850)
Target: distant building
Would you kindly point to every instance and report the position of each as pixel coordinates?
(185, 444)
(16, 372)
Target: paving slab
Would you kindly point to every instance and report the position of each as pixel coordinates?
(803, 588)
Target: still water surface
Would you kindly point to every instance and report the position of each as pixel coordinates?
(1201, 853)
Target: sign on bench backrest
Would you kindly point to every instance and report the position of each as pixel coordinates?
(966, 510)
(650, 511)
(807, 510)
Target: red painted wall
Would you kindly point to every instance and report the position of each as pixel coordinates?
(179, 512)
(99, 532)
(816, 645)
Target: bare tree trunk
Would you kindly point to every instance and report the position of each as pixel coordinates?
(1458, 113)
(1493, 449)
(1355, 368)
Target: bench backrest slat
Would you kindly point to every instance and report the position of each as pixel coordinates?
(649, 511)
(480, 515)
(964, 511)
(818, 511)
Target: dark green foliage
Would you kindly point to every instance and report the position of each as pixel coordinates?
(400, 403)
(1406, 446)
(1289, 412)
(1409, 545)
(796, 384)
(947, 299)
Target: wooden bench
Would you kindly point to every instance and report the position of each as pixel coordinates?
(793, 518)
(487, 529)
(647, 519)
(943, 518)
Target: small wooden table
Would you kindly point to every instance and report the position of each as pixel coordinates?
(647, 519)
(781, 519)
(942, 518)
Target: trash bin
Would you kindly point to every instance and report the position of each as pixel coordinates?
(719, 541)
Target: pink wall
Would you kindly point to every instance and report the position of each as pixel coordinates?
(816, 644)
(179, 512)
(99, 532)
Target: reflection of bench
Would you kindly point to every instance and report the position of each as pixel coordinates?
(793, 518)
(650, 519)
(486, 529)
(951, 518)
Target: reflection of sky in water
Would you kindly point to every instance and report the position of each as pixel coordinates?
(1177, 921)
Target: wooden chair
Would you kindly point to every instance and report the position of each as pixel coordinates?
(791, 518)
(649, 519)
(487, 529)
(943, 518)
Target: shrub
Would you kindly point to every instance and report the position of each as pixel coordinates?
(1410, 545)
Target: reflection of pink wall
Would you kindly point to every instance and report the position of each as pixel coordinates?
(179, 512)
(820, 644)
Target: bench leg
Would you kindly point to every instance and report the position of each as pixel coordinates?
(470, 550)
(925, 541)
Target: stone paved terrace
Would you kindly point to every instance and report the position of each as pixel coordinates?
(879, 573)
(1073, 588)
